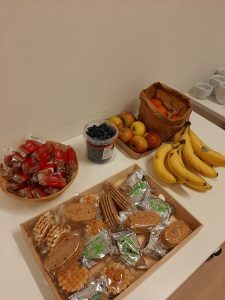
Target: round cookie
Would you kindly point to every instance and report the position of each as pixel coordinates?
(74, 279)
(118, 278)
(142, 221)
(66, 249)
(175, 233)
(80, 212)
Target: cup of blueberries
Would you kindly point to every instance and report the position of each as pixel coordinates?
(100, 136)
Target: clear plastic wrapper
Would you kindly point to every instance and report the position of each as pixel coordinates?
(12, 186)
(97, 247)
(123, 215)
(17, 157)
(155, 247)
(71, 161)
(59, 159)
(134, 178)
(142, 221)
(16, 166)
(39, 193)
(26, 192)
(138, 192)
(49, 168)
(30, 165)
(28, 147)
(73, 279)
(117, 276)
(157, 205)
(51, 190)
(136, 186)
(20, 178)
(128, 246)
(6, 172)
(50, 229)
(96, 290)
(42, 152)
(51, 180)
(8, 161)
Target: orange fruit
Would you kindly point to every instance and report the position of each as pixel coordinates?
(175, 117)
(162, 109)
(156, 102)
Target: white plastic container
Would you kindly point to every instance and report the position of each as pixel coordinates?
(202, 90)
(216, 80)
(221, 71)
(100, 150)
(220, 94)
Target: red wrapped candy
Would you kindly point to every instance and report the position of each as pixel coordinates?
(12, 186)
(17, 157)
(71, 161)
(27, 192)
(49, 168)
(37, 170)
(39, 193)
(28, 147)
(31, 165)
(59, 159)
(51, 180)
(20, 177)
(42, 152)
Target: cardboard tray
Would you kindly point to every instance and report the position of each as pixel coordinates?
(125, 148)
(117, 179)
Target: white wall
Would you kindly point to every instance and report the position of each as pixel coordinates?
(65, 62)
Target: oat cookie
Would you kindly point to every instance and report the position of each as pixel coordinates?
(142, 221)
(80, 212)
(175, 233)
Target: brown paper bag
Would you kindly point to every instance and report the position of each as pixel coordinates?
(175, 102)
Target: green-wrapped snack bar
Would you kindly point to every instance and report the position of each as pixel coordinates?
(128, 246)
(158, 206)
(97, 248)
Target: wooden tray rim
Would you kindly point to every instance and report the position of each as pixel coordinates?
(147, 273)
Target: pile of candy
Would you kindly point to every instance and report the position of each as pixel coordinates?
(38, 169)
(96, 245)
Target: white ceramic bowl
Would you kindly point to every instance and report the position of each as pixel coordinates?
(220, 94)
(221, 71)
(216, 80)
(202, 90)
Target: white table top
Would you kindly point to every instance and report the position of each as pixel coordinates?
(211, 106)
(20, 277)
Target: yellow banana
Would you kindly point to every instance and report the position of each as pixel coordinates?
(178, 135)
(181, 172)
(180, 179)
(194, 161)
(159, 164)
(201, 188)
(205, 153)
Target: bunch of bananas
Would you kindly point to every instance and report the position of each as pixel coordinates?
(186, 160)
